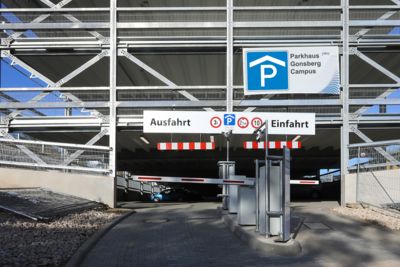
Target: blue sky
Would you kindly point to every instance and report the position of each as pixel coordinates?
(16, 76)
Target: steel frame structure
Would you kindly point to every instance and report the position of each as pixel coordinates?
(345, 25)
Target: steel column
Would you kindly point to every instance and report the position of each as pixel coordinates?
(113, 94)
(229, 55)
(344, 151)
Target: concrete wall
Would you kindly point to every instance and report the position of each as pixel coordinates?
(377, 187)
(350, 188)
(92, 187)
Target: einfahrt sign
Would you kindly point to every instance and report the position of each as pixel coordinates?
(217, 122)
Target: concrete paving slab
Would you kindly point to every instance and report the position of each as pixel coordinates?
(194, 235)
(260, 243)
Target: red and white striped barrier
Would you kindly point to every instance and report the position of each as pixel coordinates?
(272, 144)
(304, 182)
(190, 180)
(186, 146)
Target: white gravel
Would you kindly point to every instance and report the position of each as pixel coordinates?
(25, 242)
(370, 215)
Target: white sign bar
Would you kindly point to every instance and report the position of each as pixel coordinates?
(291, 70)
(218, 122)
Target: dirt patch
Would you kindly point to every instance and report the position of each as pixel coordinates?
(26, 242)
(370, 215)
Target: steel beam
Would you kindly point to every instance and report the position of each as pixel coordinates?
(91, 142)
(31, 89)
(11, 139)
(387, 15)
(24, 149)
(377, 66)
(378, 143)
(75, 20)
(158, 75)
(16, 61)
(54, 26)
(380, 68)
(35, 104)
(201, 103)
(36, 74)
(39, 19)
(50, 166)
(380, 150)
(82, 68)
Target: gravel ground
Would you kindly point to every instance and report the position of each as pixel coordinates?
(370, 215)
(25, 242)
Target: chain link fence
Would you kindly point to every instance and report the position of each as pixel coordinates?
(58, 156)
(377, 169)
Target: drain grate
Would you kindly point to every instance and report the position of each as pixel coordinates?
(317, 226)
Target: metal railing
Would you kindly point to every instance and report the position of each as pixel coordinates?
(377, 169)
(57, 156)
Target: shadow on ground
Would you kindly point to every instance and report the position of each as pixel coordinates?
(194, 235)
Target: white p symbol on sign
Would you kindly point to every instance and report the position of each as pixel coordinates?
(264, 75)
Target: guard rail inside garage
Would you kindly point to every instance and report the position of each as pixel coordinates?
(377, 169)
(56, 156)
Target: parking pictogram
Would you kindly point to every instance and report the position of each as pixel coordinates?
(256, 122)
(215, 122)
(243, 122)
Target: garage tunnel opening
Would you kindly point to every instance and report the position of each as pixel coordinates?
(315, 167)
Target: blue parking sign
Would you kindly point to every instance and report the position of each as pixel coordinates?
(266, 71)
(229, 119)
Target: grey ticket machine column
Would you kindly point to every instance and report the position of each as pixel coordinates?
(273, 196)
(229, 192)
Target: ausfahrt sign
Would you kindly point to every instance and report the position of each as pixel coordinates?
(218, 122)
(291, 70)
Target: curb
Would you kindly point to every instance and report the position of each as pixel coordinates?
(259, 243)
(79, 255)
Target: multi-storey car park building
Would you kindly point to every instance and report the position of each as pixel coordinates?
(97, 64)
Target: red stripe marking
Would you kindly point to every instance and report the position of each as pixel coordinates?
(213, 145)
(168, 146)
(191, 145)
(299, 144)
(255, 145)
(233, 181)
(180, 146)
(192, 180)
(149, 178)
(159, 146)
(278, 145)
(203, 146)
(307, 182)
(289, 144)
